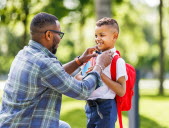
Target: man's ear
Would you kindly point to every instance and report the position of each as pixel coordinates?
(48, 35)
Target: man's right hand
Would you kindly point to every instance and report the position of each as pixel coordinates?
(88, 54)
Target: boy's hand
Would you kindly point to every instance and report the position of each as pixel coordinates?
(90, 69)
(104, 59)
(78, 76)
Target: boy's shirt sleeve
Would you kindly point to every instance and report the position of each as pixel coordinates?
(121, 69)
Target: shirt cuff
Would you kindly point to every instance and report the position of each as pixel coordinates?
(99, 82)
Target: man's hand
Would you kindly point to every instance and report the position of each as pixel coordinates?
(70, 67)
(89, 53)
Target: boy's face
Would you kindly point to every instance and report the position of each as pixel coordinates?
(105, 37)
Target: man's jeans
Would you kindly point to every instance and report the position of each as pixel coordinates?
(101, 113)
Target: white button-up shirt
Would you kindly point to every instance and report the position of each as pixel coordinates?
(104, 92)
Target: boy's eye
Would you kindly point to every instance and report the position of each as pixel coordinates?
(101, 35)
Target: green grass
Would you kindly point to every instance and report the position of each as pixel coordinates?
(1, 92)
(153, 110)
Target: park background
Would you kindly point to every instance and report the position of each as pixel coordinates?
(143, 42)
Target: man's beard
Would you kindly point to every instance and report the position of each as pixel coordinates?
(54, 50)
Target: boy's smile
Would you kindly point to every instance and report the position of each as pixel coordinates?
(105, 37)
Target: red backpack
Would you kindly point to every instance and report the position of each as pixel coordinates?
(124, 103)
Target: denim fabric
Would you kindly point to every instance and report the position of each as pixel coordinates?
(107, 109)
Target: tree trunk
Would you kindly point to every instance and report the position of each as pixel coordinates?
(103, 8)
(81, 37)
(25, 22)
(161, 77)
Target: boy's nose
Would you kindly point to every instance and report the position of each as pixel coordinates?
(97, 39)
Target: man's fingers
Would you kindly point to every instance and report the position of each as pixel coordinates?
(91, 49)
(93, 55)
(97, 48)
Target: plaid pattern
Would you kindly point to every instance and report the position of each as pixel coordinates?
(33, 91)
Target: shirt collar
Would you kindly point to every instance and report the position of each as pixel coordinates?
(40, 47)
(113, 50)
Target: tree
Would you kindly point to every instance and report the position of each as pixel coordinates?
(15, 18)
(103, 8)
(161, 57)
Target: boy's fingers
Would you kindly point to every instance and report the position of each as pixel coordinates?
(110, 53)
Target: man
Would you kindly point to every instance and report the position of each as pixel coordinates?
(37, 80)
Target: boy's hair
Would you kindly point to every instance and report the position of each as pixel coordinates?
(108, 21)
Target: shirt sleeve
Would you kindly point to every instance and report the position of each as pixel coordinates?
(55, 77)
(121, 69)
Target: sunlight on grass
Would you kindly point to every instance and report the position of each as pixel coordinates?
(154, 109)
(72, 111)
(124, 119)
(1, 93)
(150, 109)
(71, 105)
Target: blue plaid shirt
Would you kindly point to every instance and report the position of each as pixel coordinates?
(33, 91)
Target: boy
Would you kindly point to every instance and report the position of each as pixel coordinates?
(101, 108)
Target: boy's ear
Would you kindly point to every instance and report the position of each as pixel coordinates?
(116, 35)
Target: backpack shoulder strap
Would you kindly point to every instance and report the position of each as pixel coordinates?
(113, 76)
(113, 67)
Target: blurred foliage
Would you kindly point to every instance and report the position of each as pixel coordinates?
(138, 22)
(139, 35)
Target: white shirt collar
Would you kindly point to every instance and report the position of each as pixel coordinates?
(113, 50)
